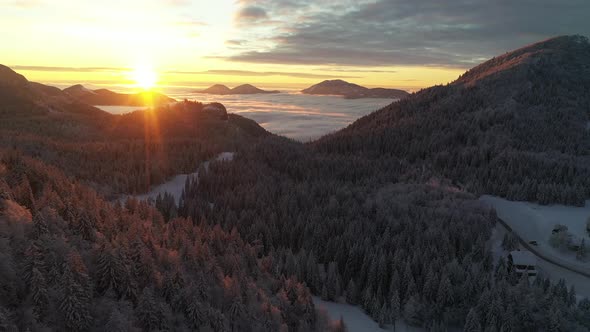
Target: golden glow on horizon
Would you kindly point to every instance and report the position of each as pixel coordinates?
(144, 77)
(190, 45)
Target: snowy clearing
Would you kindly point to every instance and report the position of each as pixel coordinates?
(176, 185)
(354, 317)
(120, 109)
(533, 222)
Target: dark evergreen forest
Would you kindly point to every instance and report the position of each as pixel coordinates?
(382, 214)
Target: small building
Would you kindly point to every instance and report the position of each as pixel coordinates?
(523, 261)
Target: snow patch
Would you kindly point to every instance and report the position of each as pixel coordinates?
(120, 109)
(534, 222)
(546, 269)
(225, 156)
(176, 185)
(354, 317)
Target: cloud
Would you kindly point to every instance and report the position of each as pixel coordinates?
(453, 33)
(258, 73)
(301, 117)
(251, 14)
(70, 69)
(234, 42)
(206, 72)
(367, 70)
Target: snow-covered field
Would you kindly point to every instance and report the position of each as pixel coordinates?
(120, 109)
(533, 222)
(554, 272)
(355, 318)
(176, 185)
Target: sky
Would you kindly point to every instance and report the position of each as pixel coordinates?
(406, 44)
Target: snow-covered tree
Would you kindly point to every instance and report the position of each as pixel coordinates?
(74, 303)
(581, 253)
(472, 323)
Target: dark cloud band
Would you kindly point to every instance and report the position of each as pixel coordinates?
(453, 33)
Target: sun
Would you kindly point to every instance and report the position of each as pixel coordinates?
(145, 77)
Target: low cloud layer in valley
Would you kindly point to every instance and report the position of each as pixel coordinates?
(296, 116)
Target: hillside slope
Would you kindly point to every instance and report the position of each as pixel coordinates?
(111, 98)
(116, 153)
(18, 96)
(514, 126)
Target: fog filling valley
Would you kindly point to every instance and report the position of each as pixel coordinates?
(294, 115)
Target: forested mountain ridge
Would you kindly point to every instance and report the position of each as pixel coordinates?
(515, 126)
(107, 97)
(22, 97)
(116, 153)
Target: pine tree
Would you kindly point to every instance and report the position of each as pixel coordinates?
(472, 323)
(117, 322)
(333, 282)
(554, 318)
(383, 316)
(351, 295)
(236, 312)
(34, 259)
(493, 314)
(73, 305)
(430, 285)
(40, 225)
(85, 227)
(149, 312)
(571, 296)
(581, 253)
(394, 309)
(6, 321)
(444, 295)
(110, 273)
(324, 294)
(195, 313)
(413, 311)
(217, 320)
(39, 291)
(26, 196)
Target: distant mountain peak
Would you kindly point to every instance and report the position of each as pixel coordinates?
(78, 90)
(350, 90)
(244, 89)
(9, 77)
(218, 89)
